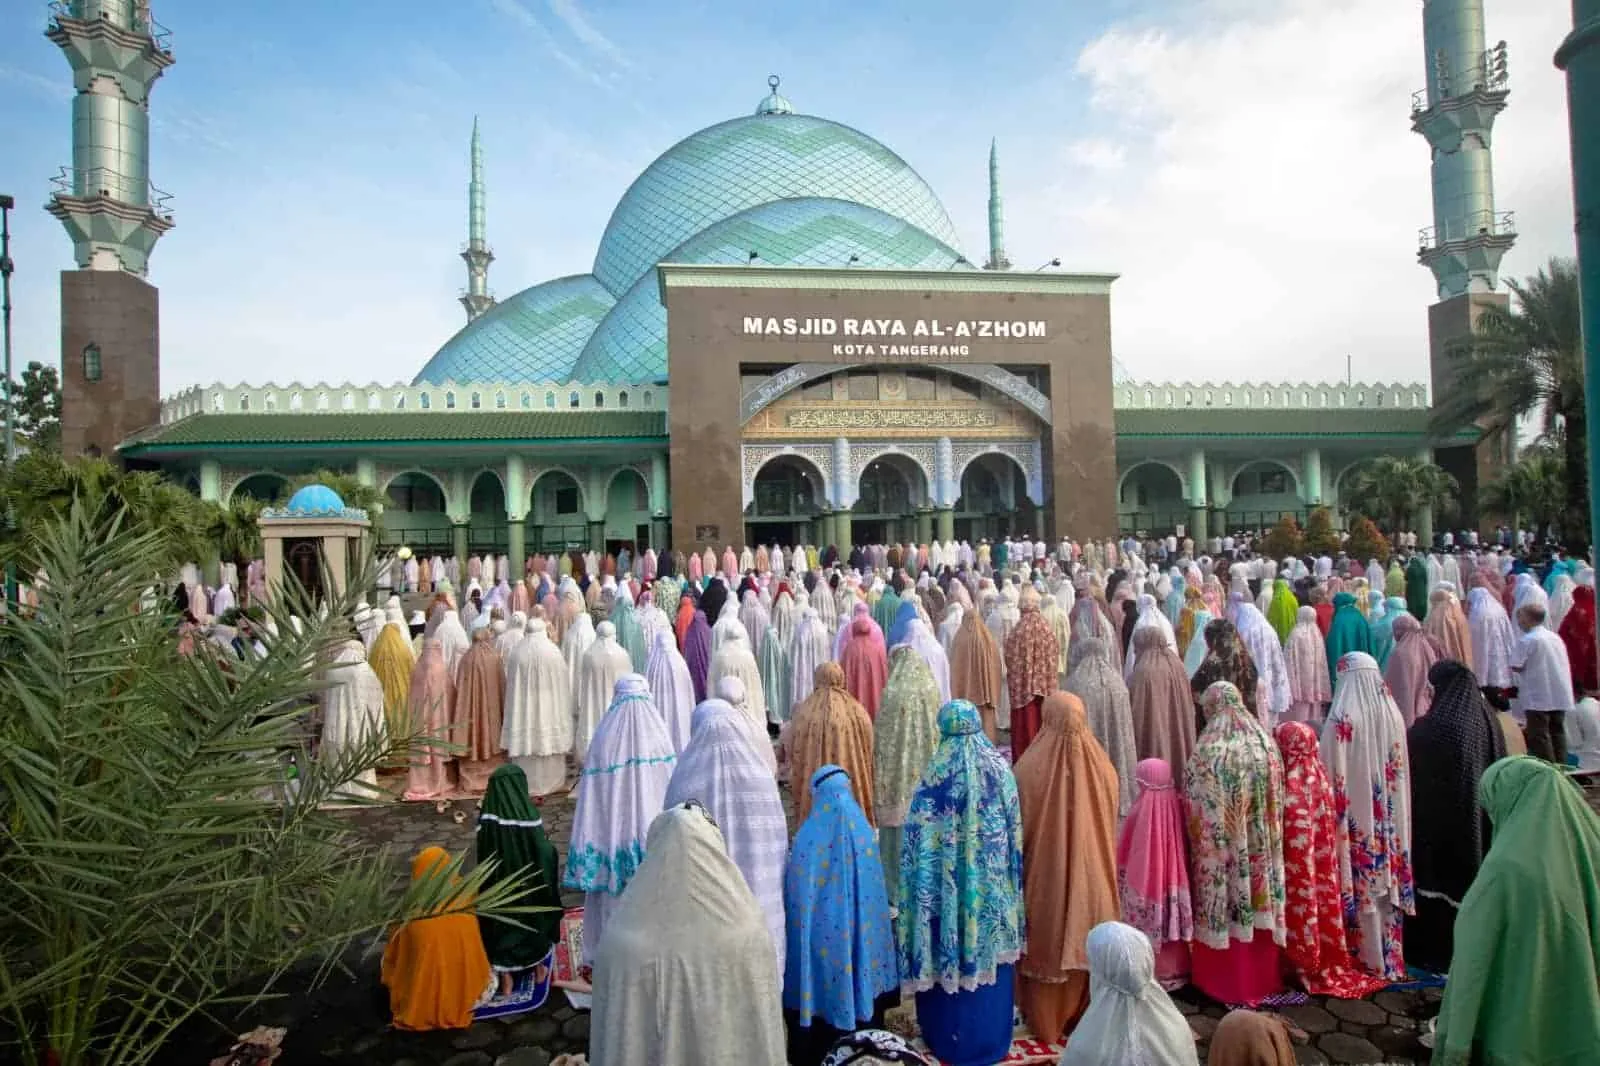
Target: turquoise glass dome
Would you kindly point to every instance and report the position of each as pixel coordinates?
(739, 164)
(315, 500)
(534, 336)
(631, 344)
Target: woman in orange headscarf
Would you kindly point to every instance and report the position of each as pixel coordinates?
(1068, 791)
(435, 968)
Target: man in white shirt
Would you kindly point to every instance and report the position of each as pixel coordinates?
(1544, 685)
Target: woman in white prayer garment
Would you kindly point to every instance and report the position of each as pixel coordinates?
(602, 665)
(1130, 1017)
(808, 649)
(686, 975)
(736, 659)
(537, 730)
(671, 687)
(352, 713)
(575, 645)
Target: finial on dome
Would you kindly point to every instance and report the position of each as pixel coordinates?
(774, 104)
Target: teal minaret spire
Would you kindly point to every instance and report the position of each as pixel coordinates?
(1466, 89)
(105, 200)
(997, 220)
(477, 298)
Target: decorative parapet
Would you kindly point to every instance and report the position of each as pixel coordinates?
(1274, 396)
(348, 514)
(347, 398)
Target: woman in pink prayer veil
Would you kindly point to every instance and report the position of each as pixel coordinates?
(1305, 656)
(865, 664)
(1153, 871)
(1414, 654)
(431, 705)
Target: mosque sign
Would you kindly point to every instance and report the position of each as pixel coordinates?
(895, 339)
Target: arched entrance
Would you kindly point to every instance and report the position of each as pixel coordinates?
(270, 489)
(415, 515)
(1150, 500)
(787, 495)
(888, 493)
(486, 530)
(1263, 492)
(556, 520)
(627, 512)
(994, 500)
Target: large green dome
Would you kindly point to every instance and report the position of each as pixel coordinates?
(738, 164)
(794, 189)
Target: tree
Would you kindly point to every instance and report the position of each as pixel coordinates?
(1366, 541)
(1321, 538)
(157, 860)
(38, 408)
(1532, 490)
(1527, 361)
(1395, 490)
(235, 529)
(1284, 540)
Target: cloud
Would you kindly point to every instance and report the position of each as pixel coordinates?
(524, 17)
(572, 16)
(56, 89)
(1249, 169)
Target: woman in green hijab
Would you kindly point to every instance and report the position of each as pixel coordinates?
(1284, 610)
(1417, 587)
(511, 832)
(1347, 632)
(1524, 986)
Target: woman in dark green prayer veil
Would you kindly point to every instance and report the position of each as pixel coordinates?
(511, 832)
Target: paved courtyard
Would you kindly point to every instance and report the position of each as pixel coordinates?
(345, 1023)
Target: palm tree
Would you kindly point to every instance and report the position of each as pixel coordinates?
(1395, 490)
(1533, 489)
(235, 530)
(1527, 361)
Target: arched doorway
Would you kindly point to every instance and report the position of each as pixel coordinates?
(486, 530)
(888, 493)
(994, 501)
(415, 515)
(627, 512)
(1263, 492)
(270, 489)
(1150, 500)
(556, 520)
(786, 497)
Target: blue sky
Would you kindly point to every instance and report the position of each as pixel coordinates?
(1246, 165)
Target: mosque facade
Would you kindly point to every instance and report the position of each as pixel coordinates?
(780, 340)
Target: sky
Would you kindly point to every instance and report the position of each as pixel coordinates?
(1246, 166)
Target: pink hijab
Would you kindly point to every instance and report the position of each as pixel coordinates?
(865, 665)
(1153, 859)
(697, 571)
(1447, 624)
(431, 705)
(1407, 673)
(1305, 656)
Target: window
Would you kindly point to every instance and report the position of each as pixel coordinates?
(216, 401)
(574, 400)
(1149, 397)
(649, 397)
(599, 399)
(622, 398)
(294, 401)
(374, 401)
(322, 401)
(527, 401)
(244, 402)
(567, 500)
(347, 402)
(399, 401)
(271, 401)
(1208, 397)
(91, 362)
(450, 401)
(500, 401)
(425, 401)
(1188, 397)
(476, 401)
(550, 399)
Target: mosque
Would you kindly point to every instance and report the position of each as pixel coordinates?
(781, 339)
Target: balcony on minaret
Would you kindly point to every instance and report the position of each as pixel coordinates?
(1460, 102)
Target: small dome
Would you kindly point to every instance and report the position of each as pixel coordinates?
(315, 500)
(534, 336)
(775, 103)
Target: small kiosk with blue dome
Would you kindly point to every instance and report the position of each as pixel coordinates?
(315, 538)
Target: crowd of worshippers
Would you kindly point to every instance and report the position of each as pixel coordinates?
(1248, 777)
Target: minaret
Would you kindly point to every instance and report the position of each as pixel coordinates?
(1466, 88)
(476, 297)
(110, 351)
(997, 222)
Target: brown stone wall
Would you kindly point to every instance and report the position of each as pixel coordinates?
(708, 344)
(121, 314)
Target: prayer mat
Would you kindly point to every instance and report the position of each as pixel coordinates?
(527, 993)
(569, 952)
(1292, 997)
(1417, 980)
(1026, 1049)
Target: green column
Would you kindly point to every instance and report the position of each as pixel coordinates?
(458, 532)
(211, 480)
(1579, 56)
(1197, 526)
(597, 536)
(924, 525)
(946, 521)
(841, 532)
(1313, 485)
(516, 534)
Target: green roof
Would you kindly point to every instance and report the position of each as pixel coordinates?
(1286, 422)
(335, 428)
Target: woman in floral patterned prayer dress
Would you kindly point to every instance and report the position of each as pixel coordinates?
(1364, 749)
(1234, 787)
(1317, 949)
